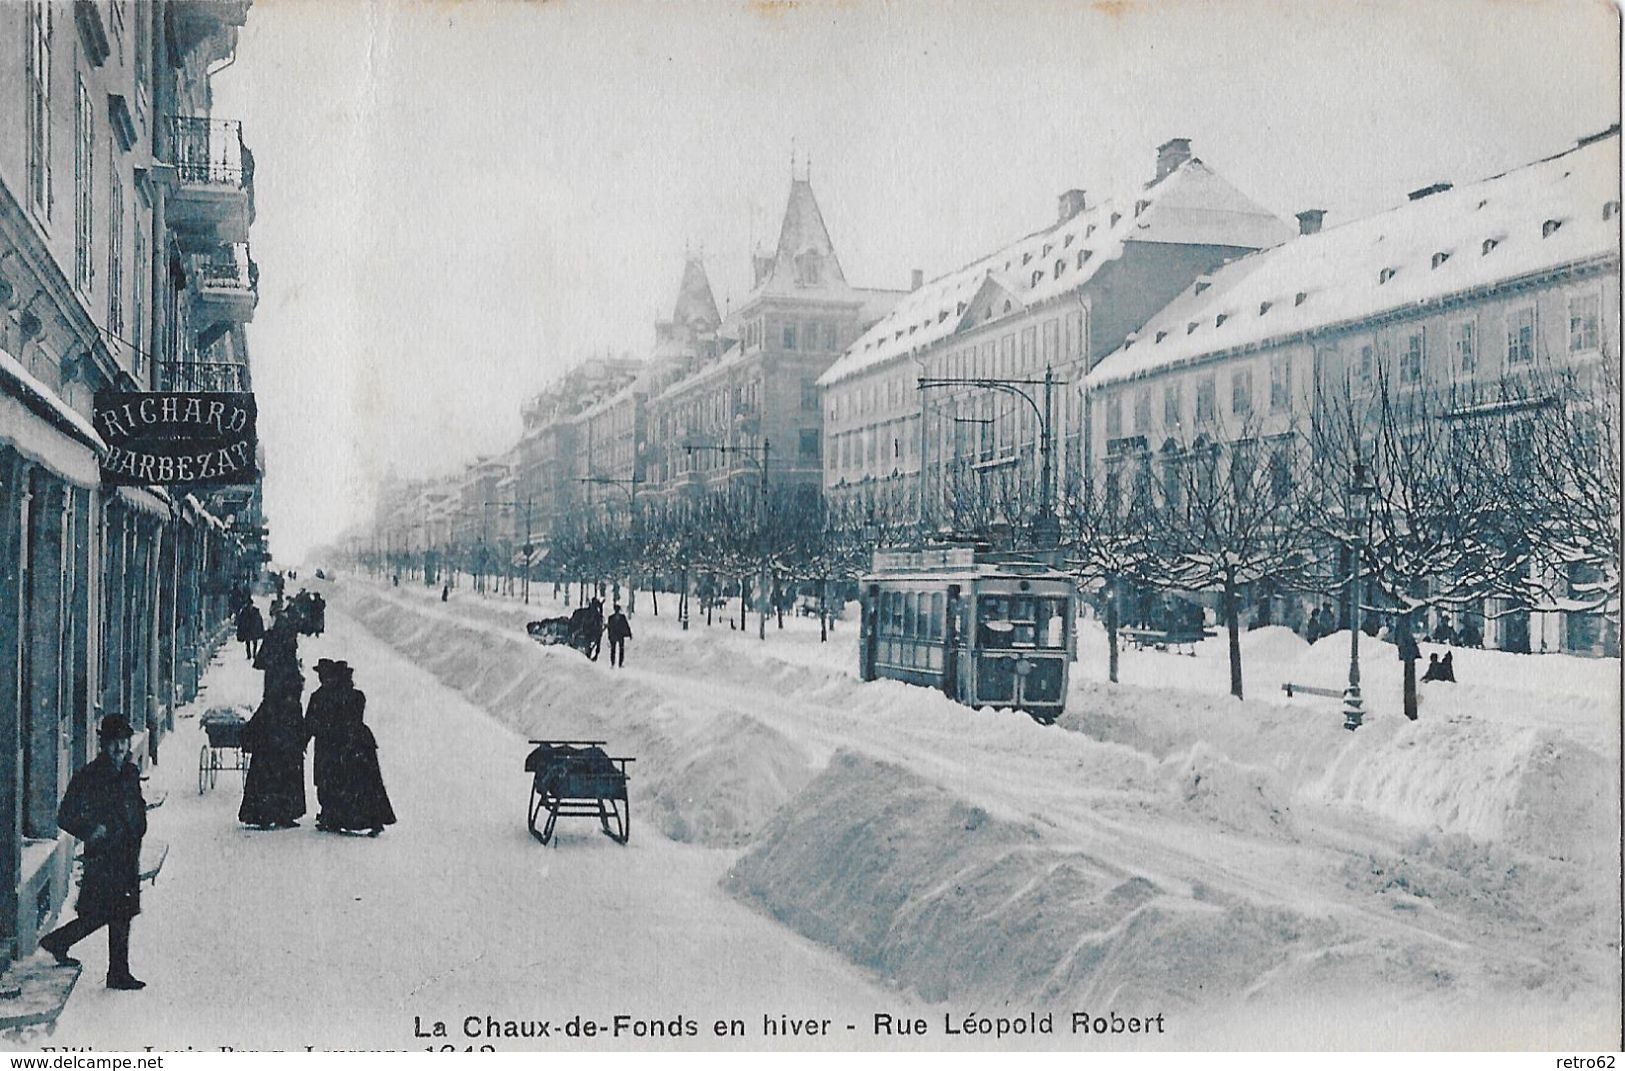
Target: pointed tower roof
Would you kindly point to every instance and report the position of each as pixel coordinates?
(696, 305)
(805, 259)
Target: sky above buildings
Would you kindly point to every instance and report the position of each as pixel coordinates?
(459, 200)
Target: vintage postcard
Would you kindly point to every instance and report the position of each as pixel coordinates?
(809, 526)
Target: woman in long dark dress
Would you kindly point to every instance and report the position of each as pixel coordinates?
(274, 789)
(351, 790)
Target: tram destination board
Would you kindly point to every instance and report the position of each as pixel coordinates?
(177, 438)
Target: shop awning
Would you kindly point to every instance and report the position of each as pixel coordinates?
(39, 426)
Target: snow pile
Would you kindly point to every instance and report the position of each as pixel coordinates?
(1164, 843)
(710, 778)
(905, 878)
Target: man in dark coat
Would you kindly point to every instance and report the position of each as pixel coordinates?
(250, 628)
(104, 809)
(350, 784)
(620, 630)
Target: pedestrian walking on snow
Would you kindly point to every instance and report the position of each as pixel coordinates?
(620, 630)
(250, 629)
(350, 783)
(104, 809)
(274, 787)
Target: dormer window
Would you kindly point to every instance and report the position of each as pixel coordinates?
(1489, 244)
(1610, 209)
(1384, 275)
(1218, 321)
(1440, 258)
(1201, 285)
(1550, 227)
(1084, 255)
(1067, 241)
(1047, 248)
(1190, 328)
(961, 308)
(1087, 231)
(1263, 307)
(1141, 206)
(1038, 277)
(1026, 257)
(1300, 297)
(941, 316)
(1161, 335)
(1060, 266)
(1115, 217)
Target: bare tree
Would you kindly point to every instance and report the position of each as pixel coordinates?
(1232, 514)
(1106, 543)
(1436, 534)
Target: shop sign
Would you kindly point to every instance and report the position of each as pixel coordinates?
(177, 438)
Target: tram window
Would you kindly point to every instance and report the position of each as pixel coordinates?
(911, 615)
(936, 616)
(1052, 623)
(994, 630)
(897, 613)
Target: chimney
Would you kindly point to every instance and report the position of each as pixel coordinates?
(916, 279)
(1309, 220)
(1428, 191)
(1070, 204)
(1170, 154)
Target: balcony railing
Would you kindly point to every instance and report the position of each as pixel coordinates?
(203, 376)
(210, 152)
(231, 268)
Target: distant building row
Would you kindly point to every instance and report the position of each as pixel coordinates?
(1186, 312)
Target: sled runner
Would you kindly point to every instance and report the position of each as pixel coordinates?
(578, 779)
(224, 751)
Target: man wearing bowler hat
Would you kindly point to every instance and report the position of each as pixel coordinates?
(104, 809)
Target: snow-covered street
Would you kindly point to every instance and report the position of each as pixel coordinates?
(280, 939)
(804, 843)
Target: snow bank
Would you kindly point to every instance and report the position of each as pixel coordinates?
(710, 779)
(905, 878)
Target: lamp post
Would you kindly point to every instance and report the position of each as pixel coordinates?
(749, 453)
(1046, 526)
(1360, 491)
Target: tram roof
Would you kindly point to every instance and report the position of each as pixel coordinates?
(958, 562)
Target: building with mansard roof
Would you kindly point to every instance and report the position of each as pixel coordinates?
(1457, 292)
(753, 398)
(1054, 301)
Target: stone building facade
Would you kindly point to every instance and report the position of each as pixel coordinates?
(964, 457)
(1461, 303)
(124, 215)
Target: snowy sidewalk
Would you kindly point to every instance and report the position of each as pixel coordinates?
(282, 939)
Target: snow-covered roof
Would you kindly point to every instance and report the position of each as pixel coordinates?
(1191, 205)
(1536, 218)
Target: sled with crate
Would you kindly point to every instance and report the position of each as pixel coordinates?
(577, 779)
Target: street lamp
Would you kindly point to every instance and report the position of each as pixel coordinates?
(1360, 491)
(1046, 526)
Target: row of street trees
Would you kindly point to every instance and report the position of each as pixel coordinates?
(1445, 500)
(1500, 503)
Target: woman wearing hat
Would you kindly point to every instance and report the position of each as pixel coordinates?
(104, 809)
(349, 784)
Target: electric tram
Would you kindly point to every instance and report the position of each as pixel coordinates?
(988, 630)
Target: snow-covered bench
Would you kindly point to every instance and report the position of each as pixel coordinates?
(1308, 689)
(1180, 641)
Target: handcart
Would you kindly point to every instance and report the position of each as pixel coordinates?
(579, 779)
(224, 750)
